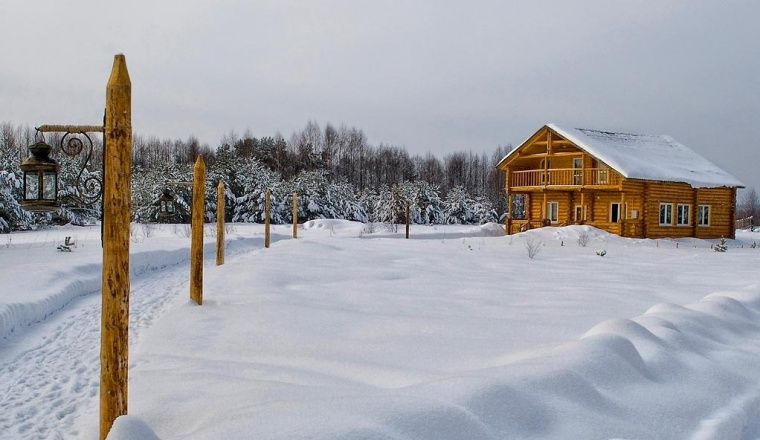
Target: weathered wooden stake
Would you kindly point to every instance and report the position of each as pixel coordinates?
(196, 241)
(295, 215)
(220, 223)
(114, 329)
(407, 221)
(267, 208)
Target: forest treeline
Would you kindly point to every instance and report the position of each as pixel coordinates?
(337, 170)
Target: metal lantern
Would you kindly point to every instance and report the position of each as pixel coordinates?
(167, 205)
(40, 180)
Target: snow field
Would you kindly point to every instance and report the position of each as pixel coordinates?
(49, 361)
(457, 334)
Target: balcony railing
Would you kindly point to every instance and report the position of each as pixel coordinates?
(564, 177)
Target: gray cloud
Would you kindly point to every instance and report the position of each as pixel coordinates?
(431, 75)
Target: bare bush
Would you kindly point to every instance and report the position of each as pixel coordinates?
(583, 239)
(182, 230)
(533, 247)
(369, 228)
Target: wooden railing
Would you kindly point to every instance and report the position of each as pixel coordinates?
(564, 177)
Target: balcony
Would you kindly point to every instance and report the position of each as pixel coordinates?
(565, 178)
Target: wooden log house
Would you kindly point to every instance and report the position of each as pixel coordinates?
(628, 184)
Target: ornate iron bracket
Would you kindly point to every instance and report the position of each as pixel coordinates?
(91, 188)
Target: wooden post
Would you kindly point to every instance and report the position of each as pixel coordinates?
(508, 221)
(583, 207)
(622, 214)
(527, 209)
(543, 210)
(294, 199)
(407, 221)
(267, 208)
(220, 223)
(694, 214)
(114, 324)
(196, 241)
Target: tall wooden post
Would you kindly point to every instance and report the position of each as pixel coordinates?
(527, 209)
(267, 208)
(294, 202)
(623, 213)
(508, 220)
(196, 243)
(583, 207)
(408, 221)
(114, 324)
(220, 223)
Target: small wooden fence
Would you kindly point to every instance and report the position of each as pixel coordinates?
(744, 223)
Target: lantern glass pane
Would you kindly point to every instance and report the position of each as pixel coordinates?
(48, 186)
(163, 206)
(170, 207)
(32, 186)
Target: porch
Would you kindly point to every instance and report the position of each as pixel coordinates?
(608, 209)
(564, 178)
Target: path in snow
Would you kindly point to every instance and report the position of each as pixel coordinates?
(50, 372)
(44, 386)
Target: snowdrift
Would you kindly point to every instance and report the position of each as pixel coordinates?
(673, 372)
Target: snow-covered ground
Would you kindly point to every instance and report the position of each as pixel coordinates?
(347, 334)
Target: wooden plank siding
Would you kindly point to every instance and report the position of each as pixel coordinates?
(722, 202)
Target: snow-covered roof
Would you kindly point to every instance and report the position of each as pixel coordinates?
(647, 157)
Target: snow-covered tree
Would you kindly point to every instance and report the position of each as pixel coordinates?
(12, 217)
(250, 205)
(456, 207)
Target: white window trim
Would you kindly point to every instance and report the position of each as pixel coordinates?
(688, 213)
(583, 213)
(659, 217)
(709, 215)
(549, 212)
(620, 212)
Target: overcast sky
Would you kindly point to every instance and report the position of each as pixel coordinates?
(429, 75)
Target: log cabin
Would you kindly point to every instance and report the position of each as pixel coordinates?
(633, 185)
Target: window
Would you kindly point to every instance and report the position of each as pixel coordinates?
(603, 177)
(682, 215)
(577, 171)
(703, 215)
(545, 177)
(552, 212)
(614, 212)
(666, 214)
(579, 213)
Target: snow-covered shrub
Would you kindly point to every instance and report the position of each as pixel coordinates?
(583, 239)
(533, 247)
(722, 246)
(601, 252)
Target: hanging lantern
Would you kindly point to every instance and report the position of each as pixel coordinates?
(40, 180)
(166, 209)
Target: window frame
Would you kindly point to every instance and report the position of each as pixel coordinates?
(549, 212)
(699, 214)
(687, 212)
(578, 171)
(619, 212)
(582, 211)
(659, 218)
